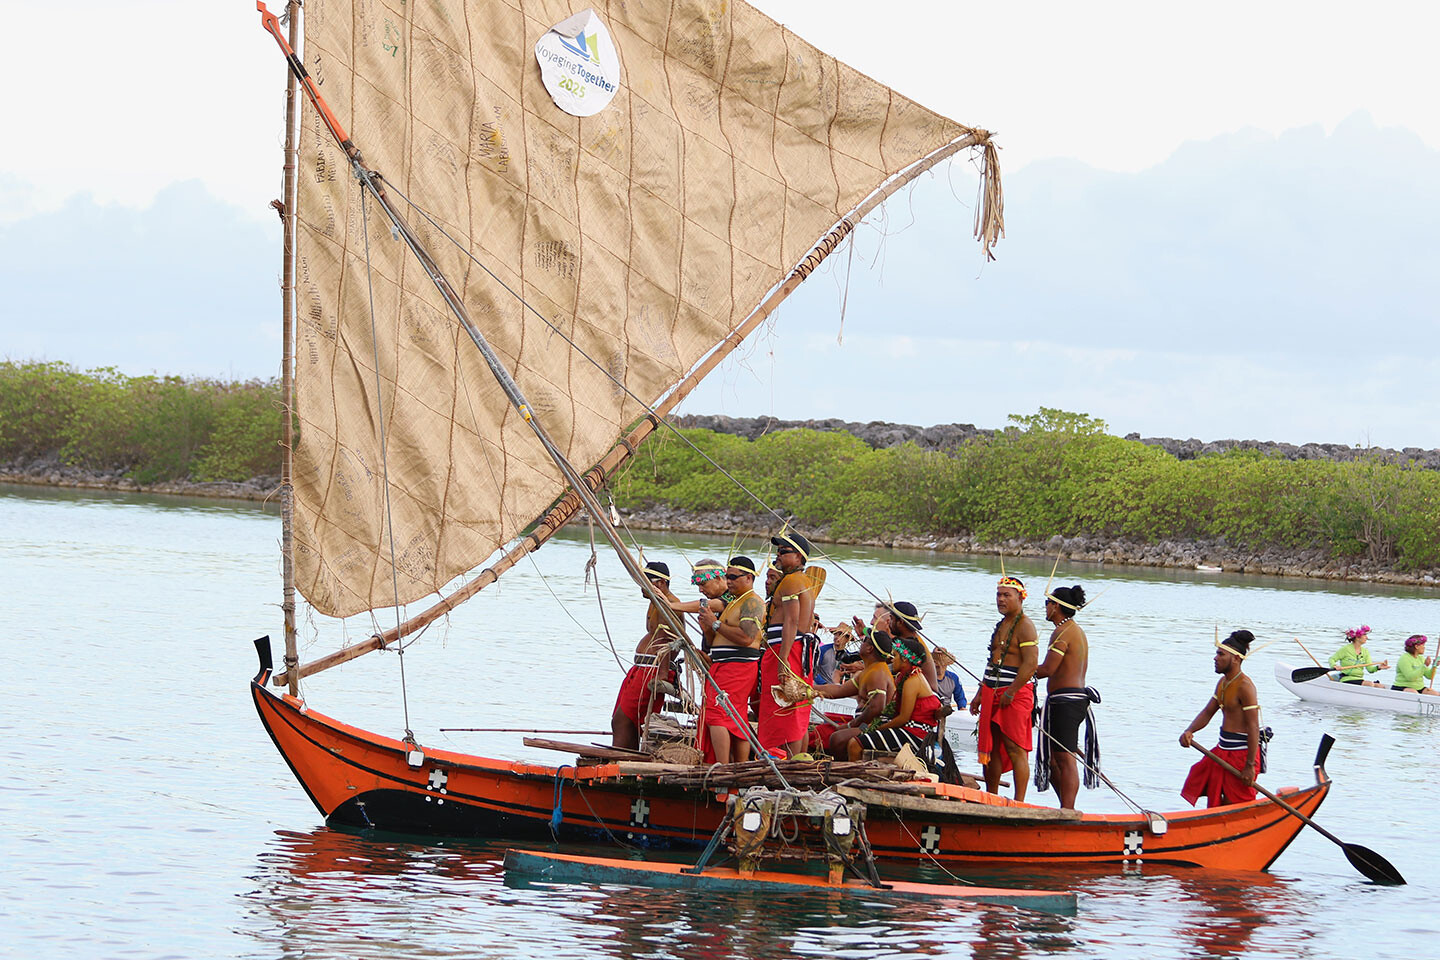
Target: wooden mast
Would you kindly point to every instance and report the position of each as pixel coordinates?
(287, 365)
(990, 224)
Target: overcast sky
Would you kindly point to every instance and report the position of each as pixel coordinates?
(1094, 105)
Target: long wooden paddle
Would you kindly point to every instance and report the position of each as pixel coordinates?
(1367, 861)
(1307, 652)
(1302, 674)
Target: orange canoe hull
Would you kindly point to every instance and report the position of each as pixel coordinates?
(361, 780)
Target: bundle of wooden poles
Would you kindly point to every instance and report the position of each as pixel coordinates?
(798, 773)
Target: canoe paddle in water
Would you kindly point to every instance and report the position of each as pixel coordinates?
(1367, 861)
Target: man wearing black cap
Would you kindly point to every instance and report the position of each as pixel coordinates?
(905, 625)
(735, 659)
(638, 697)
(790, 646)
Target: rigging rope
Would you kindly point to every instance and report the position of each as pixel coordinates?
(599, 601)
(384, 455)
(605, 371)
(833, 561)
(500, 500)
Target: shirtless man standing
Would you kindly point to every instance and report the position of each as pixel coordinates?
(789, 646)
(1067, 699)
(1006, 697)
(735, 658)
(1240, 742)
(638, 697)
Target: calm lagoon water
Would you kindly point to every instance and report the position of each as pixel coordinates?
(146, 814)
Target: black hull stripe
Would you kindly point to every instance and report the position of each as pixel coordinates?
(529, 812)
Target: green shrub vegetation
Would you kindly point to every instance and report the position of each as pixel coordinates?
(1053, 473)
(1048, 473)
(150, 428)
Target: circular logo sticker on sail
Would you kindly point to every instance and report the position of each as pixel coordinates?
(579, 64)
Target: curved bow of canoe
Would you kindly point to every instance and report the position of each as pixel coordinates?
(362, 780)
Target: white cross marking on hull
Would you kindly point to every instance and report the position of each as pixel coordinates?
(640, 812)
(930, 838)
(1134, 844)
(438, 779)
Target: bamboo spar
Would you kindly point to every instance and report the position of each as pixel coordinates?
(287, 366)
(990, 225)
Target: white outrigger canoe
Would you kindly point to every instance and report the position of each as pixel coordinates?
(1325, 690)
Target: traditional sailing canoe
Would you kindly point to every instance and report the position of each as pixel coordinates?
(1325, 690)
(568, 868)
(592, 211)
(516, 238)
(358, 779)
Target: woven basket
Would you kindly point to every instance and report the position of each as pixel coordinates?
(678, 753)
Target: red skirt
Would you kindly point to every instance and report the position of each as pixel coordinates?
(1014, 721)
(1208, 779)
(737, 679)
(781, 723)
(636, 700)
(821, 733)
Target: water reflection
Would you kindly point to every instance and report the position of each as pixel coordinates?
(331, 894)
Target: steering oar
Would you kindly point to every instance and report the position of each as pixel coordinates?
(1367, 861)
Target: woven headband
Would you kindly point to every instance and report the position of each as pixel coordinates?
(1054, 599)
(909, 656)
(1222, 645)
(804, 554)
(655, 574)
(748, 571)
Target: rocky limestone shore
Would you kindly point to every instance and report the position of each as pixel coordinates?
(947, 436)
(51, 472)
(1314, 563)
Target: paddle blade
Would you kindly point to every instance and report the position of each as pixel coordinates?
(1302, 674)
(817, 576)
(1372, 865)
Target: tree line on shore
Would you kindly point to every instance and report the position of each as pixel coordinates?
(1045, 474)
(151, 429)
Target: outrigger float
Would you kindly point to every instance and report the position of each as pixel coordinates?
(568, 868)
(361, 780)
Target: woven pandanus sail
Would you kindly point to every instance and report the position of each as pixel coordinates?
(642, 235)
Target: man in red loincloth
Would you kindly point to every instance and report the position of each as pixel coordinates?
(1241, 743)
(638, 697)
(790, 646)
(1007, 699)
(735, 663)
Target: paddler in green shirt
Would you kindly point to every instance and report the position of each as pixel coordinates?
(1410, 669)
(1354, 660)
